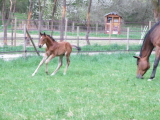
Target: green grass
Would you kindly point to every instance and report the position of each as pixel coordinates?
(18, 49)
(95, 47)
(22, 16)
(110, 47)
(98, 87)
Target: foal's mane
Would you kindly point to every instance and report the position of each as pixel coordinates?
(51, 37)
(147, 35)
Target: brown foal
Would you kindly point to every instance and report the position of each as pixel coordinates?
(54, 49)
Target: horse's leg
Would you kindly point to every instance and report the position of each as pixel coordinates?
(156, 62)
(47, 61)
(59, 65)
(42, 61)
(67, 64)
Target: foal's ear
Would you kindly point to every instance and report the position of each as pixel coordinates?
(137, 57)
(44, 34)
(40, 33)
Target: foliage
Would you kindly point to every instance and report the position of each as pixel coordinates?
(95, 87)
(133, 11)
(22, 6)
(130, 10)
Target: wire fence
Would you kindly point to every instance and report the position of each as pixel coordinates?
(130, 37)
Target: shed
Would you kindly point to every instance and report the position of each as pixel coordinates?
(113, 23)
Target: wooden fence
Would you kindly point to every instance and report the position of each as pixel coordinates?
(131, 33)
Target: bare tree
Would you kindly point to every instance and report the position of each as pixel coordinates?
(14, 7)
(4, 21)
(29, 13)
(88, 22)
(63, 20)
(53, 12)
(41, 11)
(29, 20)
(156, 10)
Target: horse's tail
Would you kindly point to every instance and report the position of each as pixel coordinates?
(78, 48)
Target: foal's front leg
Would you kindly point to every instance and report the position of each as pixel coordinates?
(42, 61)
(156, 62)
(47, 61)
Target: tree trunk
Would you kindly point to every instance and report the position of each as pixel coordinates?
(63, 21)
(40, 18)
(5, 24)
(14, 7)
(29, 13)
(156, 10)
(29, 20)
(41, 10)
(88, 22)
(53, 11)
(156, 15)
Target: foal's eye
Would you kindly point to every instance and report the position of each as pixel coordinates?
(137, 62)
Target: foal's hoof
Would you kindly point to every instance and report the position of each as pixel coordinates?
(52, 74)
(47, 73)
(33, 74)
(150, 79)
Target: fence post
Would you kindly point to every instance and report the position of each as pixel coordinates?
(110, 31)
(72, 28)
(66, 24)
(12, 33)
(150, 24)
(128, 38)
(96, 28)
(32, 42)
(15, 30)
(39, 26)
(24, 46)
(78, 36)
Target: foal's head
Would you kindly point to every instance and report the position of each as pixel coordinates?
(43, 40)
(142, 66)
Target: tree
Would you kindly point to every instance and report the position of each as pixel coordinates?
(156, 10)
(41, 11)
(131, 10)
(29, 13)
(88, 22)
(4, 21)
(63, 20)
(53, 12)
(76, 10)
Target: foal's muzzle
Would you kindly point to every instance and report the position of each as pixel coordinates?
(40, 46)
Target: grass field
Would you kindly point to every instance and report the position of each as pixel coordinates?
(98, 87)
(91, 48)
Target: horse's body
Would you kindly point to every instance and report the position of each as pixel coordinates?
(151, 40)
(54, 49)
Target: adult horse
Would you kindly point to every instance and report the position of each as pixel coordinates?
(54, 49)
(151, 40)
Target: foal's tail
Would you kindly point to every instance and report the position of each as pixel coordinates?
(78, 48)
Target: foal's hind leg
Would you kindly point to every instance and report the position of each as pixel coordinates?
(59, 65)
(67, 64)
